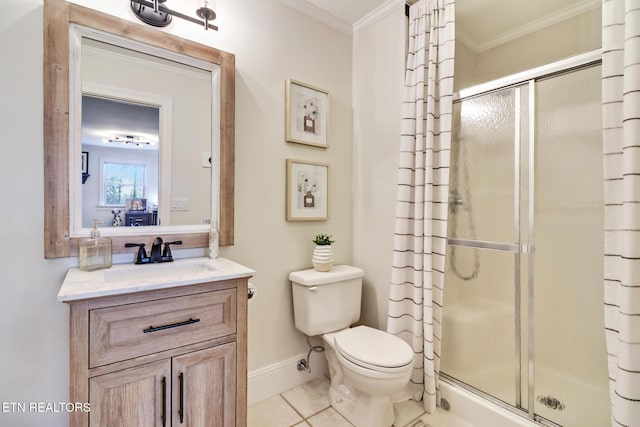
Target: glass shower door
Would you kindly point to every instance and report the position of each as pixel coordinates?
(481, 318)
(523, 302)
(570, 360)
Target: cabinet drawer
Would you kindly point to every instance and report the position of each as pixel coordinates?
(132, 330)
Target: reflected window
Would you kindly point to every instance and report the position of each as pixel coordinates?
(122, 181)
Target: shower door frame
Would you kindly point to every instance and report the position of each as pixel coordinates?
(521, 81)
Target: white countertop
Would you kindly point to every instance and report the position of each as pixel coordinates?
(128, 278)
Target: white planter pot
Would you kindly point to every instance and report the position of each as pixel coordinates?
(322, 258)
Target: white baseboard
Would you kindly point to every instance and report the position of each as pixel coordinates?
(274, 379)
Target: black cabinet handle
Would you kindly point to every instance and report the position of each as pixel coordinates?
(169, 326)
(181, 395)
(164, 401)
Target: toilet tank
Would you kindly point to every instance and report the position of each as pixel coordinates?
(326, 301)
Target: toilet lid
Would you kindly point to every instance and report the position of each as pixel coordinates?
(366, 346)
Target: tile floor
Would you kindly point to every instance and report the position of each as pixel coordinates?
(308, 406)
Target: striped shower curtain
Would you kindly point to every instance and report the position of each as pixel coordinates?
(415, 302)
(621, 122)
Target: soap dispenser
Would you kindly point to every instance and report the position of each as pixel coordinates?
(94, 253)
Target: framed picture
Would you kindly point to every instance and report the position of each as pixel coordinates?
(307, 114)
(136, 204)
(85, 162)
(85, 166)
(307, 191)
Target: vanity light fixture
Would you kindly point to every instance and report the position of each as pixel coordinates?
(154, 12)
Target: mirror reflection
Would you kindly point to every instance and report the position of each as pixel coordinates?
(146, 138)
(120, 162)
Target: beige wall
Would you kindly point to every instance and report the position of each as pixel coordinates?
(33, 325)
(378, 76)
(272, 42)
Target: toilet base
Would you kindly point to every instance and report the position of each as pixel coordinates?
(361, 409)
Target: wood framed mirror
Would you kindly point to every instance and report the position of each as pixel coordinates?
(60, 239)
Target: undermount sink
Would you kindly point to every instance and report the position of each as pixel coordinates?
(166, 271)
(130, 278)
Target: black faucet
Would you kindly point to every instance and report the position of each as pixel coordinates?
(166, 252)
(158, 253)
(141, 257)
(156, 250)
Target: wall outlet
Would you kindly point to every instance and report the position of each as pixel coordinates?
(206, 159)
(179, 204)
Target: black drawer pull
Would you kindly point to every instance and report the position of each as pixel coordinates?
(181, 397)
(164, 402)
(172, 325)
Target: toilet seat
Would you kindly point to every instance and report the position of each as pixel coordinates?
(373, 349)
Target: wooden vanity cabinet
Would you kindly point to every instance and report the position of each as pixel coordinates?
(162, 358)
(132, 397)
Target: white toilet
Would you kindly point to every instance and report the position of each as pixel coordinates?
(367, 366)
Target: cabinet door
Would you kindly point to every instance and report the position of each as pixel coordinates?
(204, 388)
(136, 397)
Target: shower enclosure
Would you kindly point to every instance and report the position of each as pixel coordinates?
(523, 318)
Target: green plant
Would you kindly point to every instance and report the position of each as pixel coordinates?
(323, 239)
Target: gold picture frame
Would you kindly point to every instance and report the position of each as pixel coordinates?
(307, 114)
(307, 191)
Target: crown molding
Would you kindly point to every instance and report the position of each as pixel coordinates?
(528, 28)
(377, 14)
(318, 14)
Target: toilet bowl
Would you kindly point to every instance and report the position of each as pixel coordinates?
(367, 366)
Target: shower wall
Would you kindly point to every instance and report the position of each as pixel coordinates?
(548, 256)
(578, 34)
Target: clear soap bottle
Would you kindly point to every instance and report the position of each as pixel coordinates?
(94, 253)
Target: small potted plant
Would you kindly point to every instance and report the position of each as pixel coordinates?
(322, 258)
